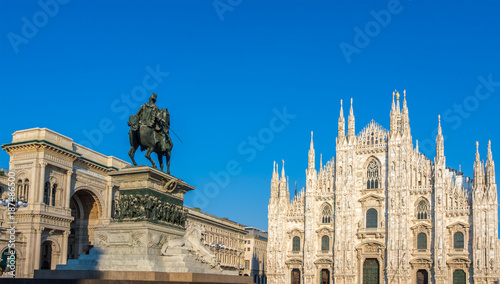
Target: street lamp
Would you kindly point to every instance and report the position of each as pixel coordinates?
(217, 247)
(18, 203)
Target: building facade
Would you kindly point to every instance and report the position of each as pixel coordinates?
(69, 192)
(255, 254)
(224, 237)
(382, 212)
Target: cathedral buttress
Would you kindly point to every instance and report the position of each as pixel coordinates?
(439, 208)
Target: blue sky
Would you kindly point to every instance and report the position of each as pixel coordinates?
(224, 69)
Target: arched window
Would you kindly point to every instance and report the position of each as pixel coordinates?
(372, 175)
(296, 244)
(326, 214)
(325, 243)
(19, 188)
(423, 210)
(46, 193)
(422, 241)
(371, 218)
(458, 240)
(53, 197)
(26, 189)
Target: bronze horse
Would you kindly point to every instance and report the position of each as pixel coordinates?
(152, 139)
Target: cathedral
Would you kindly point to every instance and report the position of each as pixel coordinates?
(382, 212)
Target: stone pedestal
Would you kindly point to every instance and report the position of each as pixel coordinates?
(147, 214)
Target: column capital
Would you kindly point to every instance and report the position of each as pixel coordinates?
(43, 163)
(66, 233)
(69, 172)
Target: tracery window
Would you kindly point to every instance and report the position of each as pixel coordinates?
(326, 214)
(325, 243)
(296, 244)
(371, 218)
(422, 241)
(423, 210)
(458, 240)
(372, 175)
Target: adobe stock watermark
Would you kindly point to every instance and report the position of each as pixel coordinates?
(248, 149)
(363, 37)
(457, 113)
(11, 203)
(123, 106)
(48, 9)
(223, 6)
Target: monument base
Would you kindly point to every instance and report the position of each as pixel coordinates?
(136, 246)
(136, 277)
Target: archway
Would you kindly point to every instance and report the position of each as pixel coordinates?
(295, 276)
(324, 276)
(5, 262)
(46, 255)
(371, 271)
(87, 212)
(422, 276)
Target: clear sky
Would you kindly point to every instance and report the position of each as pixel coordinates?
(246, 81)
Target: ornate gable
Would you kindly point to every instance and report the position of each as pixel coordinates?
(372, 136)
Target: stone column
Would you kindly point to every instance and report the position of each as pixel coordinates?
(67, 190)
(37, 247)
(41, 180)
(64, 249)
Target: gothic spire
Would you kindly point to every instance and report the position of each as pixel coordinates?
(393, 108)
(490, 155)
(478, 168)
(341, 128)
(490, 167)
(311, 160)
(283, 171)
(405, 107)
(350, 130)
(439, 140)
(398, 108)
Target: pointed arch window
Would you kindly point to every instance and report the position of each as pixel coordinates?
(422, 241)
(372, 175)
(325, 243)
(296, 244)
(326, 214)
(371, 218)
(423, 210)
(458, 240)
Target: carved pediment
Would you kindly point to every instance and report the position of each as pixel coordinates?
(422, 226)
(371, 196)
(293, 261)
(458, 225)
(421, 260)
(458, 260)
(370, 245)
(324, 261)
(324, 230)
(294, 232)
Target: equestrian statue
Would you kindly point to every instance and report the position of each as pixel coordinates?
(149, 130)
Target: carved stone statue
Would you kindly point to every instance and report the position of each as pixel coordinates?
(192, 242)
(149, 130)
